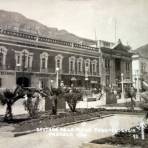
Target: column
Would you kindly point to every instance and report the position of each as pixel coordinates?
(112, 71)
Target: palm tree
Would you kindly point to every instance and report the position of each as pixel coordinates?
(8, 97)
(53, 94)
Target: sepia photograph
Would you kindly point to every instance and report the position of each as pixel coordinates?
(74, 73)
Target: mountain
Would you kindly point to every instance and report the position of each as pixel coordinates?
(18, 22)
(143, 51)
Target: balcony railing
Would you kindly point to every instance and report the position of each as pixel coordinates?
(107, 71)
(44, 39)
(94, 73)
(72, 72)
(80, 73)
(19, 68)
(42, 70)
(6, 67)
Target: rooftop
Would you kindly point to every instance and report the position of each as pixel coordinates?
(37, 38)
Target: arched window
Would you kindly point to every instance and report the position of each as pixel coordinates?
(58, 63)
(24, 59)
(44, 62)
(72, 65)
(3, 52)
(80, 65)
(94, 67)
(1, 59)
(87, 65)
(58, 60)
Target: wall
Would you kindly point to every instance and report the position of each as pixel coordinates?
(8, 80)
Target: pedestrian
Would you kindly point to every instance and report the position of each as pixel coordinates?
(132, 94)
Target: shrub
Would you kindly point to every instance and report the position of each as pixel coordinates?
(71, 98)
(32, 103)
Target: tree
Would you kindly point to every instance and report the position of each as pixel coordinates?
(53, 94)
(32, 102)
(9, 97)
(72, 97)
(132, 94)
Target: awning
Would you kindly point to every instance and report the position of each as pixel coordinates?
(73, 79)
(127, 81)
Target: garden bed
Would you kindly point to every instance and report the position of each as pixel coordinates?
(126, 141)
(125, 138)
(46, 120)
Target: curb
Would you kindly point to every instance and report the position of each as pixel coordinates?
(17, 134)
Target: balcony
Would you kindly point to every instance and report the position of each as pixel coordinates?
(18, 68)
(6, 67)
(3, 67)
(107, 70)
(80, 73)
(94, 73)
(72, 72)
(42, 70)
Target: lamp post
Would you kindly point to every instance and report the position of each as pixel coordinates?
(18, 65)
(23, 66)
(57, 77)
(73, 80)
(86, 77)
(122, 86)
(1, 58)
(138, 80)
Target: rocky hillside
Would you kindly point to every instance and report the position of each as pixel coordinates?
(18, 22)
(143, 50)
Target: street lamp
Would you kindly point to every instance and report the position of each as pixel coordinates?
(23, 66)
(86, 79)
(122, 86)
(18, 65)
(57, 77)
(86, 76)
(73, 80)
(1, 58)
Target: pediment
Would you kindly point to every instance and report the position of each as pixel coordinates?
(120, 47)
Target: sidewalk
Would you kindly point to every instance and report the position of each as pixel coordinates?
(119, 108)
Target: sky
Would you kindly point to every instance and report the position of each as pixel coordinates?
(94, 19)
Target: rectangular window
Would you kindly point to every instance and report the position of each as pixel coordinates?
(43, 63)
(18, 59)
(0, 82)
(143, 67)
(94, 70)
(107, 65)
(127, 67)
(24, 60)
(58, 63)
(71, 66)
(29, 62)
(107, 80)
(1, 59)
(79, 67)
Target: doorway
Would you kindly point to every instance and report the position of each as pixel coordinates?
(23, 81)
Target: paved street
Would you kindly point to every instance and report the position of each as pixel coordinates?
(77, 138)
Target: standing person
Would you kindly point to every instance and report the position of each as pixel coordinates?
(132, 93)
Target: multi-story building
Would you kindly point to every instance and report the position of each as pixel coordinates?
(38, 61)
(140, 67)
(116, 60)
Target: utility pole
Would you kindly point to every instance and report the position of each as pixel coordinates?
(115, 30)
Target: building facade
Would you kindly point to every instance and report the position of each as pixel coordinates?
(116, 61)
(140, 70)
(35, 61)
